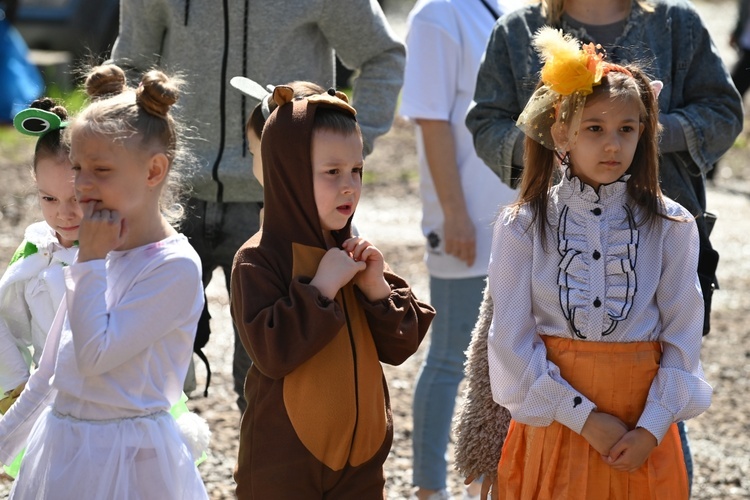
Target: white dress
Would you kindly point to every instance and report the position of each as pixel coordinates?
(96, 411)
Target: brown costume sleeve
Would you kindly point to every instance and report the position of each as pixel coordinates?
(280, 325)
(481, 424)
(398, 323)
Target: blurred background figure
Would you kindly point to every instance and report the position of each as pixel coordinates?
(740, 40)
(20, 80)
(460, 197)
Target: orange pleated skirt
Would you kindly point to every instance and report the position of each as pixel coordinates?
(556, 463)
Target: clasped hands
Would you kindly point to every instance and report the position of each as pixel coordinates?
(357, 260)
(624, 449)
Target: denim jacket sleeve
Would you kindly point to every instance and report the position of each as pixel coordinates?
(700, 92)
(506, 79)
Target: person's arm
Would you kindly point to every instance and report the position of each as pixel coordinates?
(523, 380)
(13, 368)
(399, 322)
(458, 228)
(17, 423)
(156, 304)
(143, 24)
(679, 390)
(431, 87)
(362, 38)
(707, 105)
(281, 325)
(493, 114)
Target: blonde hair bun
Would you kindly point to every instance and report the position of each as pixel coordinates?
(157, 93)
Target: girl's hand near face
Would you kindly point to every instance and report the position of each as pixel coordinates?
(101, 231)
(371, 281)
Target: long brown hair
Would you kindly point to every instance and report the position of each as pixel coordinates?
(541, 164)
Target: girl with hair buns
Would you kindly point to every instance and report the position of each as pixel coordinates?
(594, 345)
(95, 415)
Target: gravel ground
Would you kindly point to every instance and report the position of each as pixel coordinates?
(389, 215)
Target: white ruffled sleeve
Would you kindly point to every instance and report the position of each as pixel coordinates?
(679, 390)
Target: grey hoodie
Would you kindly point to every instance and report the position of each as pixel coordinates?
(271, 42)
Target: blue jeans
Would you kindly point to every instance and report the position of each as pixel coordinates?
(457, 304)
(682, 428)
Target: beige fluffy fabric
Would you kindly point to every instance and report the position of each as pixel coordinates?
(481, 424)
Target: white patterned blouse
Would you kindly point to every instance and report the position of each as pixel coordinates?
(601, 277)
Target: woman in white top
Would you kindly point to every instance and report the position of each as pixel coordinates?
(460, 198)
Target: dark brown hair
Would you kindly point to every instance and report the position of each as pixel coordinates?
(51, 144)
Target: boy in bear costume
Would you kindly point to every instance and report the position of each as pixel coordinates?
(318, 422)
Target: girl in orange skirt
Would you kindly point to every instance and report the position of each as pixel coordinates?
(594, 346)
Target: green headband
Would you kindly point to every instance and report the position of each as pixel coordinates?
(37, 122)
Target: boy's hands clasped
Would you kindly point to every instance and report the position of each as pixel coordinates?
(359, 260)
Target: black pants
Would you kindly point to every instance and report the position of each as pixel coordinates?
(216, 231)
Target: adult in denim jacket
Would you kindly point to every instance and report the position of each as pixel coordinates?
(700, 109)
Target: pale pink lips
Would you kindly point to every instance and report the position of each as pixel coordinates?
(345, 209)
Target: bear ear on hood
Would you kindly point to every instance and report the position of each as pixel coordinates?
(335, 99)
(282, 95)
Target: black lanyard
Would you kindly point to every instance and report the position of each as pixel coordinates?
(489, 8)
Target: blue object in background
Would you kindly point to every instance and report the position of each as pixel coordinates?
(20, 81)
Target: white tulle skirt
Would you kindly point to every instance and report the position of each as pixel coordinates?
(140, 458)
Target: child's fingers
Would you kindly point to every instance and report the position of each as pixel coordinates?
(349, 244)
(88, 209)
(617, 450)
(358, 252)
(363, 254)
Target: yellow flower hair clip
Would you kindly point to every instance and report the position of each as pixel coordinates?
(569, 74)
(568, 68)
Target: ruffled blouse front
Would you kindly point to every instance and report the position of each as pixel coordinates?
(597, 240)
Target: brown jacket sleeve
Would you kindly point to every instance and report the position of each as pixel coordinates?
(399, 322)
(281, 325)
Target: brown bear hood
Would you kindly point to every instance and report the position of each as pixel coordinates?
(290, 212)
